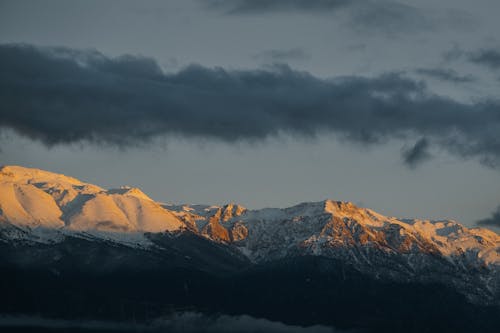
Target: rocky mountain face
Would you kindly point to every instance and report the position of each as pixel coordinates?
(62, 225)
(385, 247)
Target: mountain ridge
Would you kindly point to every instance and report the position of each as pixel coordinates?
(40, 207)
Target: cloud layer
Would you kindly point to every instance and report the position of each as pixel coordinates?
(64, 96)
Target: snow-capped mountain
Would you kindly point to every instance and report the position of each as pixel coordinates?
(36, 198)
(40, 207)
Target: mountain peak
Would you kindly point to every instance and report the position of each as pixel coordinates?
(17, 173)
(130, 191)
(334, 206)
(231, 210)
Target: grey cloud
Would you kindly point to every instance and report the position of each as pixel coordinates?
(366, 16)
(486, 57)
(489, 58)
(64, 96)
(445, 75)
(417, 154)
(493, 220)
(283, 55)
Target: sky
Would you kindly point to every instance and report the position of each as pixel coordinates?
(392, 105)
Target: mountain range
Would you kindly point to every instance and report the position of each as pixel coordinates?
(327, 262)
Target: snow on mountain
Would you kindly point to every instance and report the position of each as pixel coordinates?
(321, 227)
(40, 206)
(27, 205)
(36, 198)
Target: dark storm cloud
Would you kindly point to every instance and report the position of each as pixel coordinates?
(489, 58)
(366, 16)
(61, 96)
(445, 75)
(417, 154)
(493, 220)
(283, 55)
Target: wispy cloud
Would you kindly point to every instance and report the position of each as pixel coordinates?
(366, 16)
(489, 58)
(445, 74)
(63, 96)
(264, 6)
(493, 220)
(417, 154)
(285, 55)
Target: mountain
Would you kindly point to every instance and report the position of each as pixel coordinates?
(36, 198)
(65, 232)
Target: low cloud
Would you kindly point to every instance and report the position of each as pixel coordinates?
(493, 220)
(65, 96)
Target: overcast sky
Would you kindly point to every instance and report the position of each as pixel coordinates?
(393, 105)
